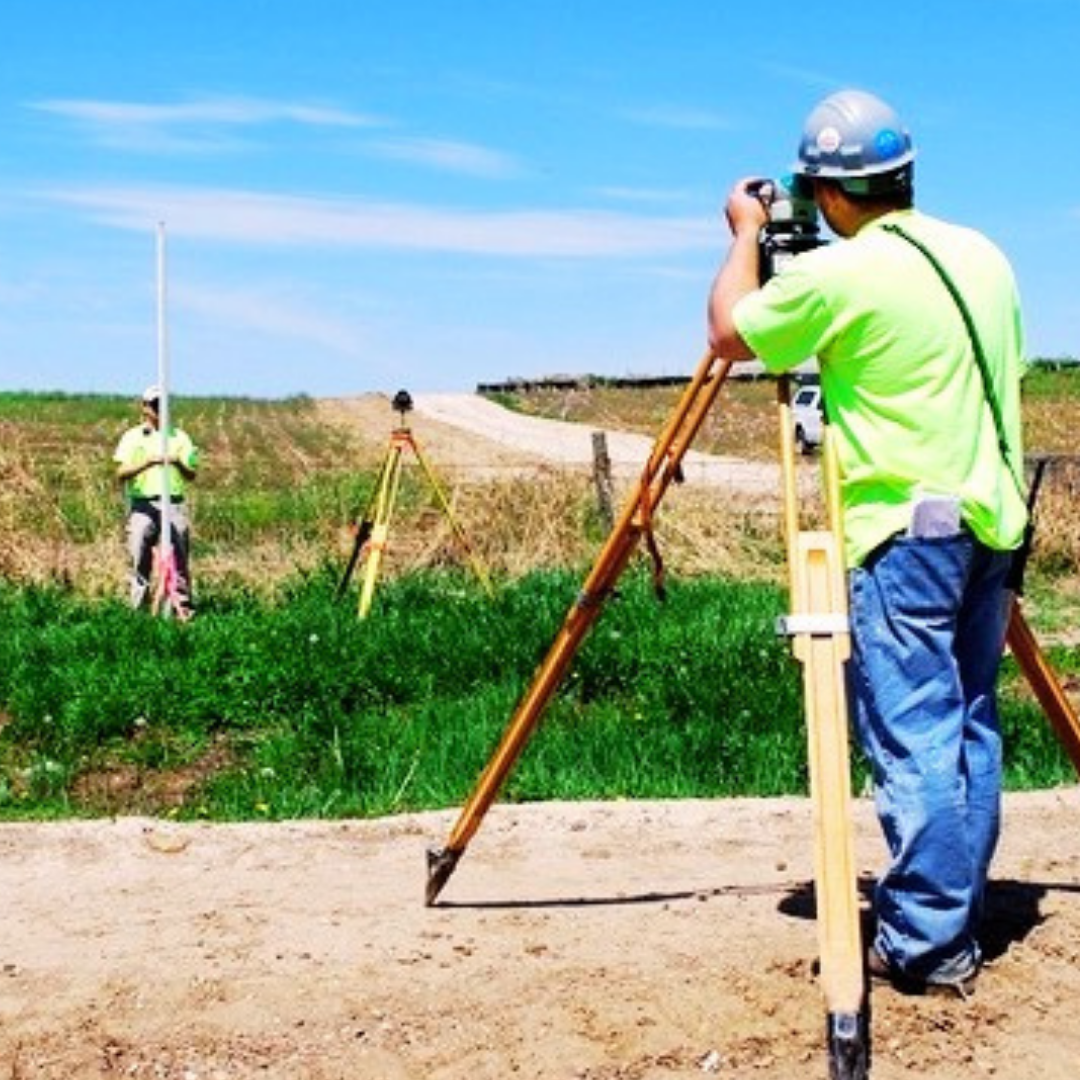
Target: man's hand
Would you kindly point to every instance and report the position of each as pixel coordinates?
(746, 214)
(745, 209)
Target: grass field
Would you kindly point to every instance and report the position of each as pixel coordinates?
(277, 701)
(296, 708)
(279, 486)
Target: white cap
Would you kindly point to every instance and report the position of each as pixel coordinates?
(152, 393)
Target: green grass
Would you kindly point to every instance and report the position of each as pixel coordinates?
(278, 702)
(297, 708)
(1046, 383)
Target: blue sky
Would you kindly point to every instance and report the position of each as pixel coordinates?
(360, 196)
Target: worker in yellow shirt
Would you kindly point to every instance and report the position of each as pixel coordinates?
(146, 480)
(916, 326)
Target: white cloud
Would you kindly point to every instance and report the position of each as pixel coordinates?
(448, 155)
(664, 196)
(271, 313)
(228, 111)
(248, 217)
(681, 117)
(814, 78)
(197, 125)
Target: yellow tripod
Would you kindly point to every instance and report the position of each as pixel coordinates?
(372, 531)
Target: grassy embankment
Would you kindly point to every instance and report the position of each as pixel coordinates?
(278, 702)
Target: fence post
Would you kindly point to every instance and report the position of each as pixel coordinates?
(602, 479)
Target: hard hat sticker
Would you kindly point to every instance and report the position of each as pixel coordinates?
(888, 143)
(828, 140)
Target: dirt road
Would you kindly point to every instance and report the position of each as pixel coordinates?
(623, 941)
(563, 443)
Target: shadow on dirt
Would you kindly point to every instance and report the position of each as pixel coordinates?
(1012, 909)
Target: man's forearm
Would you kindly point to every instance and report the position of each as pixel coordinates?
(737, 277)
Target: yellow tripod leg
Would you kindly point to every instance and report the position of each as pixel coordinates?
(389, 482)
(459, 533)
(821, 642)
(362, 526)
(822, 646)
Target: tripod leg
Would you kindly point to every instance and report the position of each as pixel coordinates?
(584, 612)
(362, 527)
(661, 468)
(459, 533)
(380, 528)
(821, 643)
(823, 651)
(1048, 690)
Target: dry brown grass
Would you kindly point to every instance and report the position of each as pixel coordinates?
(38, 527)
(61, 518)
(742, 423)
(548, 519)
(1057, 533)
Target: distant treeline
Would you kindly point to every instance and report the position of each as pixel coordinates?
(748, 369)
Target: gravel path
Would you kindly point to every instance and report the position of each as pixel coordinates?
(569, 444)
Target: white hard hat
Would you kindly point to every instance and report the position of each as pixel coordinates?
(854, 136)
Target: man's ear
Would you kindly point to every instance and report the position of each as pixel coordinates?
(825, 194)
(836, 208)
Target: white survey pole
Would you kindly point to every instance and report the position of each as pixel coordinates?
(165, 540)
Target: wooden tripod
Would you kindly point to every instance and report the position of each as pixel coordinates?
(821, 641)
(634, 523)
(1020, 639)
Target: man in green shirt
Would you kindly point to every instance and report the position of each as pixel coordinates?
(138, 458)
(916, 326)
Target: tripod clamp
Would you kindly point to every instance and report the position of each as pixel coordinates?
(816, 624)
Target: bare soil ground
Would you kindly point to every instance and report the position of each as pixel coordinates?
(622, 941)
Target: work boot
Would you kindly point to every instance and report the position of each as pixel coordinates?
(957, 979)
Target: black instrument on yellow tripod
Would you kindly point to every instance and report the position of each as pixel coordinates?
(372, 531)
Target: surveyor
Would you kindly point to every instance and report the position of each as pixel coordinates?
(138, 458)
(917, 329)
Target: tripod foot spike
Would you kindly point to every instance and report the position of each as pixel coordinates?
(849, 1057)
(441, 863)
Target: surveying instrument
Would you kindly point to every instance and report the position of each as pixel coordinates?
(819, 630)
(372, 531)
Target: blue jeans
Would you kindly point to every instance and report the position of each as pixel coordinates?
(928, 626)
